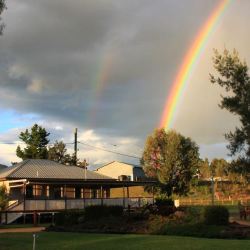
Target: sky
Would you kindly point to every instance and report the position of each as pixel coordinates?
(106, 67)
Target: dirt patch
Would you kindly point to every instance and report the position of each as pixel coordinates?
(22, 230)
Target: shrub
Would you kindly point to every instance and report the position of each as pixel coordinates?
(164, 202)
(156, 224)
(97, 211)
(68, 217)
(193, 214)
(216, 215)
(165, 206)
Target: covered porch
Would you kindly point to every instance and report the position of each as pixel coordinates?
(52, 196)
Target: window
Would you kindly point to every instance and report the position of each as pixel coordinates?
(78, 193)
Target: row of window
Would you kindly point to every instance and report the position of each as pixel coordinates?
(57, 192)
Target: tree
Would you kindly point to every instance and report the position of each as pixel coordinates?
(233, 76)
(3, 197)
(58, 153)
(204, 168)
(2, 7)
(219, 167)
(36, 143)
(172, 159)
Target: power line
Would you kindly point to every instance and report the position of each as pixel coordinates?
(110, 151)
(16, 143)
(83, 143)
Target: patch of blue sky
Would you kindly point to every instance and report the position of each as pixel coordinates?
(10, 119)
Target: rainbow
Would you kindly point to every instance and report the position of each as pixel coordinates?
(190, 60)
(101, 79)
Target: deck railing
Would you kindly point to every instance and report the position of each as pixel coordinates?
(51, 204)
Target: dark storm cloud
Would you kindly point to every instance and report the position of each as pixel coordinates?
(52, 51)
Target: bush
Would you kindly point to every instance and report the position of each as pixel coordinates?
(216, 215)
(97, 211)
(193, 214)
(68, 217)
(165, 206)
(164, 202)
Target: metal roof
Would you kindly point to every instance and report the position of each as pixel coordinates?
(46, 169)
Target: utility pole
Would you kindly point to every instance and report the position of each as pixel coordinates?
(212, 187)
(75, 148)
(212, 182)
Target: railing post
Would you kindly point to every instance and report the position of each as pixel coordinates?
(24, 196)
(24, 218)
(123, 193)
(128, 197)
(35, 218)
(53, 218)
(101, 196)
(83, 197)
(65, 198)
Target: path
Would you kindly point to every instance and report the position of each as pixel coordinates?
(22, 230)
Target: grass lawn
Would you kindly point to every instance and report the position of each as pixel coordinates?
(74, 241)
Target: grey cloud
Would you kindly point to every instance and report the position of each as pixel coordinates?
(59, 48)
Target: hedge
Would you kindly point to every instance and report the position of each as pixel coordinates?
(216, 215)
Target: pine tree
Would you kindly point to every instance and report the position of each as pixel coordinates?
(36, 143)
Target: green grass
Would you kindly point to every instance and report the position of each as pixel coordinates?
(74, 241)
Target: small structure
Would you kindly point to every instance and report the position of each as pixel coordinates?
(47, 186)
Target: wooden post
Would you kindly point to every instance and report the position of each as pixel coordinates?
(24, 196)
(123, 193)
(35, 218)
(24, 218)
(153, 193)
(65, 197)
(101, 196)
(84, 197)
(53, 218)
(39, 218)
(128, 197)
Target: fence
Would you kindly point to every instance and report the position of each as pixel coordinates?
(204, 202)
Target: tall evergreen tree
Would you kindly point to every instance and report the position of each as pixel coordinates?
(36, 143)
(2, 7)
(234, 77)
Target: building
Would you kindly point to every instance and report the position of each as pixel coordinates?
(121, 170)
(43, 185)
(126, 171)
